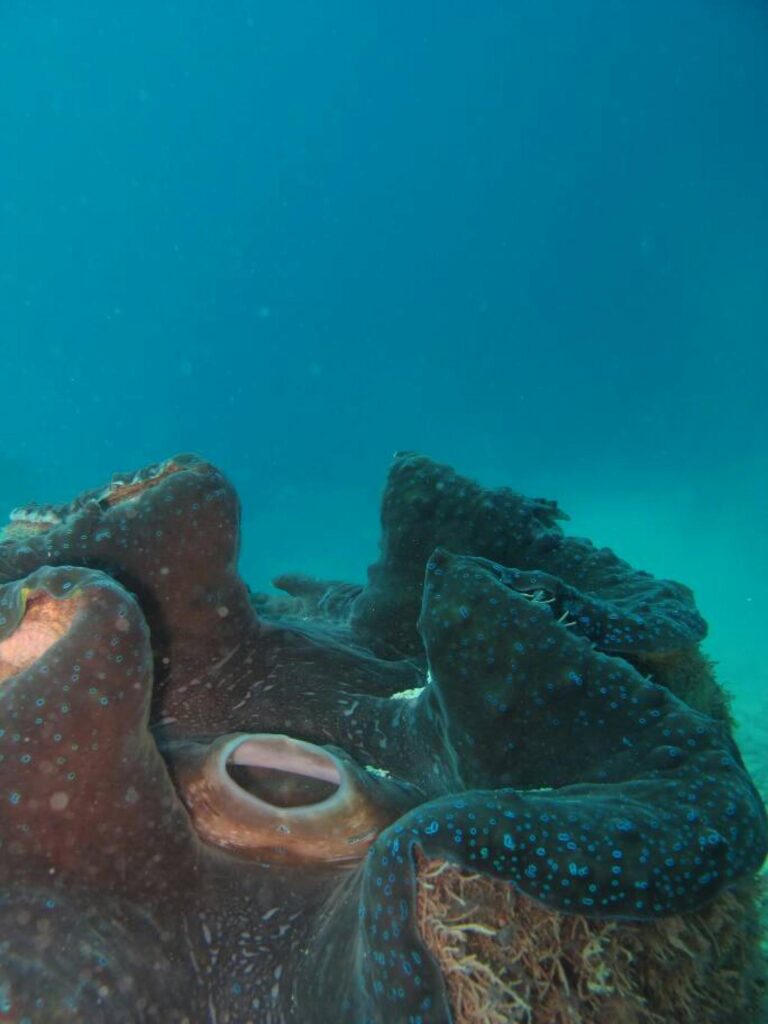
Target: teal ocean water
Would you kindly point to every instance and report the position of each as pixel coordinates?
(527, 240)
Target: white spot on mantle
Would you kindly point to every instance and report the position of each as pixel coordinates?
(408, 694)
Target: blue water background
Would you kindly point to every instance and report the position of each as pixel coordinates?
(530, 240)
